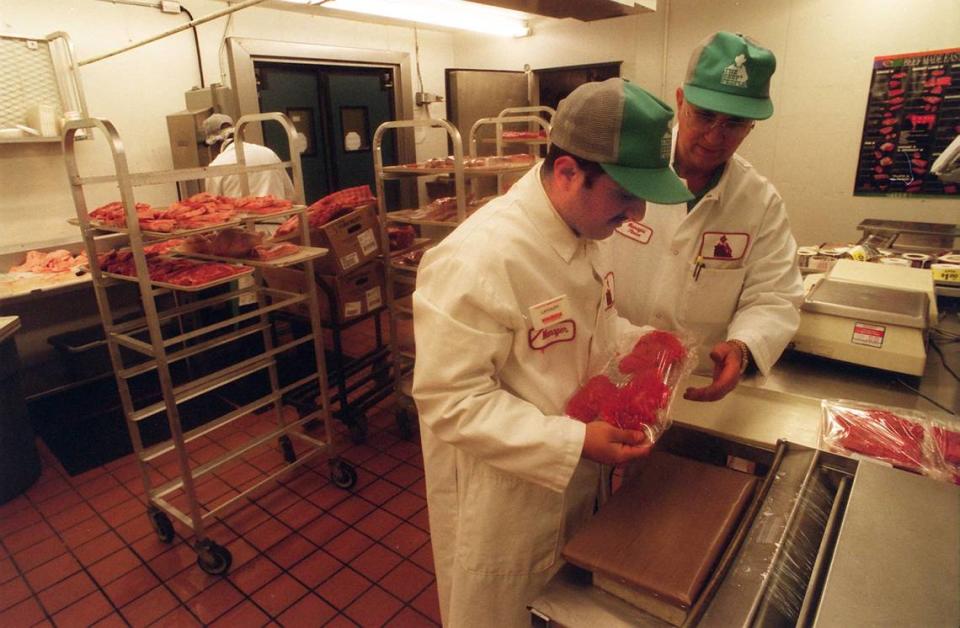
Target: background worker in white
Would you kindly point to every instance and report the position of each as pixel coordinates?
(509, 478)
(218, 133)
(724, 264)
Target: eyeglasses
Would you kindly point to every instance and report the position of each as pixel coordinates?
(705, 121)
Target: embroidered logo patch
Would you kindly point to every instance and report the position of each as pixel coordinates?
(723, 245)
(635, 231)
(564, 331)
(735, 74)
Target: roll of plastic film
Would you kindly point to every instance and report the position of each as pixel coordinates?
(804, 254)
(949, 258)
(895, 261)
(822, 261)
(918, 260)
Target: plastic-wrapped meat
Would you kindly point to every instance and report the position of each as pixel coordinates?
(635, 390)
(657, 350)
(877, 433)
(593, 399)
(948, 441)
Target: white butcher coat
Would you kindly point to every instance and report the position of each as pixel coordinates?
(505, 482)
(272, 182)
(748, 287)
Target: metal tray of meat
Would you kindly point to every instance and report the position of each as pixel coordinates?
(247, 214)
(302, 254)
(163, 235)
(195, 288)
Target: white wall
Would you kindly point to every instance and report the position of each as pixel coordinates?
(825, 51)
(809, 148)
(137, 89)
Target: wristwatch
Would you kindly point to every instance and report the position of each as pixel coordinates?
(744, 353)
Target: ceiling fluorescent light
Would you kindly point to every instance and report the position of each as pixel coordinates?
(447, 13)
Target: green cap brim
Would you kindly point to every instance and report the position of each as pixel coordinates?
(729, 104)
(657, 185)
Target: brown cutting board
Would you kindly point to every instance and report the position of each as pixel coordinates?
(657, 539)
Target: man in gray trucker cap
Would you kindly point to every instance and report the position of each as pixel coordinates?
(509, 314)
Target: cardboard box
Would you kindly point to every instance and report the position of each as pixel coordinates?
(353, 240)
(341, 297)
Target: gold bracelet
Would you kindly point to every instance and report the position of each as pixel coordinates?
(744, 354)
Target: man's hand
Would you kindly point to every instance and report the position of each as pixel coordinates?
(726, 358)
(607, 444)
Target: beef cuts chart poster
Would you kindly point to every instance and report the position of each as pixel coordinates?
(913, 113)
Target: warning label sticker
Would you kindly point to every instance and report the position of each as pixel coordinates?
(869, 335)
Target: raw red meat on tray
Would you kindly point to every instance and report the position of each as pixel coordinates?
(329, 208)
(637, 386)
(176, 271)
(262, 204)
(198, 211)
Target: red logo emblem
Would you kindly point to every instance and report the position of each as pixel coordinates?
(635, 231)
(723, 246)
(564, 331)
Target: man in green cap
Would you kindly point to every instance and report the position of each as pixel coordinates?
(510, 318)
(724, 263)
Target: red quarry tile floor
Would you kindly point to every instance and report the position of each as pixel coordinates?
(80, 551)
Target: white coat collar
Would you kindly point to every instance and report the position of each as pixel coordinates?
(545, 218)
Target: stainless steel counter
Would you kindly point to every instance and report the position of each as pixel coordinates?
(786, 403)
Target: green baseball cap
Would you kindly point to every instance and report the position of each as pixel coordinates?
(730, 74)
(627, 131)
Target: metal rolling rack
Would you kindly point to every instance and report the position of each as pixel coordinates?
(510, 116)
(402, 277)
(145, 337)
(533, 116)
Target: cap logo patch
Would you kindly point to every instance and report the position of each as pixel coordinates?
(666, 142)
(735, 74)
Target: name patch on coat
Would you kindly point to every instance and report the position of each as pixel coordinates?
(723, 245)
(564, 331)
(636, 231)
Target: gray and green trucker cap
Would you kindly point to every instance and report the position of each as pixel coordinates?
(627, 131)
(730, 74)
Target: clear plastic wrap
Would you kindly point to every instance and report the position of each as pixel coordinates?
(906, 439)
(946, 440)
(636, 387)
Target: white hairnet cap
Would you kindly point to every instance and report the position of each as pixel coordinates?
(213, 128)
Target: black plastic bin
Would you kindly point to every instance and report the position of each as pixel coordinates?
(19, 461)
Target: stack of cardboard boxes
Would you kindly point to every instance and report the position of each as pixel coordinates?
(350, 276)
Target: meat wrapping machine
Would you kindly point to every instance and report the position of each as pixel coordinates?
(828, 541)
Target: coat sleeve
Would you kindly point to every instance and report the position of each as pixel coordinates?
(768, 313)
(462, 344)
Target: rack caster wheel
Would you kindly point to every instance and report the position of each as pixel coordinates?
(161, 524)
(287, 448)
(343, 474)
(212, 558)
